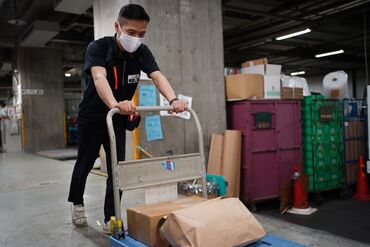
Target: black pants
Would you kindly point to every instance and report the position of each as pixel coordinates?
(91, 137)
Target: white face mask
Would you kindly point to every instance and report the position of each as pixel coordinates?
(129, 43)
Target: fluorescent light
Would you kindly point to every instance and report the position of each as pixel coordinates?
(67, 74)
(329, 53)
(298, 73)
(307, 30)
(16, 22)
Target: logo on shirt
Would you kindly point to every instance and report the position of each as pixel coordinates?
(133, 79)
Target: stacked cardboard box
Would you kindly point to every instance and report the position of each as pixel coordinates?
(244, 86)
(291, 93)
(257, 80)
(271, 78)
(356, 146)
(255, 62)
(144, 221)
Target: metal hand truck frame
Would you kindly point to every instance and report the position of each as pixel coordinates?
(135, 174)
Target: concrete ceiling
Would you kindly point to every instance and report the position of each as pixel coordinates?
(75, 31)
(250, 29)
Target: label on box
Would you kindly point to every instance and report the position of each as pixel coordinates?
(273, 93)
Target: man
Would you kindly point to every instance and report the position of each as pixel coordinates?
(3, 116)
(112, 68)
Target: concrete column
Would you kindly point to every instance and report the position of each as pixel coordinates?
(41, 68)
(185, 37)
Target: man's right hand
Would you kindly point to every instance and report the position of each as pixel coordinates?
(126, 107)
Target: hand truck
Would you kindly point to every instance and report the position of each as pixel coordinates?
(135, 174)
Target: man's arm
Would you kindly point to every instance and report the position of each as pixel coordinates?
(99, 75)
(166, 90)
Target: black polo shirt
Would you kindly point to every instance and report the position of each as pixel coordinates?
(123, 74)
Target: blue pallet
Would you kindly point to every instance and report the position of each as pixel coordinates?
(269, 240)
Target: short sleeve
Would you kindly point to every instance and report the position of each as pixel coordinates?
(95, 56)
(148, 63)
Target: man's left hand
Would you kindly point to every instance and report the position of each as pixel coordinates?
(179, 105)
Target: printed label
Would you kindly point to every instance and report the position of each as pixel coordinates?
(132, 79)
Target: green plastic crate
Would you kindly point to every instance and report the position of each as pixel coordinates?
(322, 142)
(335, 183)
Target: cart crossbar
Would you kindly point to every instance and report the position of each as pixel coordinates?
(149, 172)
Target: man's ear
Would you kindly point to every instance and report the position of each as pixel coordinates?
(116, 27)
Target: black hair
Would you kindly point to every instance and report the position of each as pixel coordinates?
(2, 103)
(133, 12)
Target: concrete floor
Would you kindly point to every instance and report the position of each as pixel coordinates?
(34, 210)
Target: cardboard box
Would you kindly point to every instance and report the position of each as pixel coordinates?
(144, 221)
(291, 93)
(216, 223)
(254, 62)
(351, 173)
(258, 69)
(271, 86)
(263, 69)
(215, 155)
(271, 79)
(161, 193)
(357, 147)
(273, 69)
(244, 86)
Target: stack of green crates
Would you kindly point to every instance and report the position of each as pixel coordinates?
(322, 142)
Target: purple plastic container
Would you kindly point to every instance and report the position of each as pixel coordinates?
(271, 144)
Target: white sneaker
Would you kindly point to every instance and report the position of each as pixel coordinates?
(78, 215)
(106, 228)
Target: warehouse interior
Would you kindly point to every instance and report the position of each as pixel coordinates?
(280, 90)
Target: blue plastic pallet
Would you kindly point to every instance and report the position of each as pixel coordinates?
(269, 240)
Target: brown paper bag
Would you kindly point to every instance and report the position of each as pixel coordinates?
(215, 155)
(223, 223)
(231, 161)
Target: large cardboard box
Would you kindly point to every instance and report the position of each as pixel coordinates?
(144, 221)
(244, 86)
(254, 62)
(215, 223)
(271, 86)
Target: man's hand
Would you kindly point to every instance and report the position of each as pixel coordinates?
(126, 107)
(179, 105)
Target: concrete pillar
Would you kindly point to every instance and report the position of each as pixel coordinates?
(41, 68)
(185, 37)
